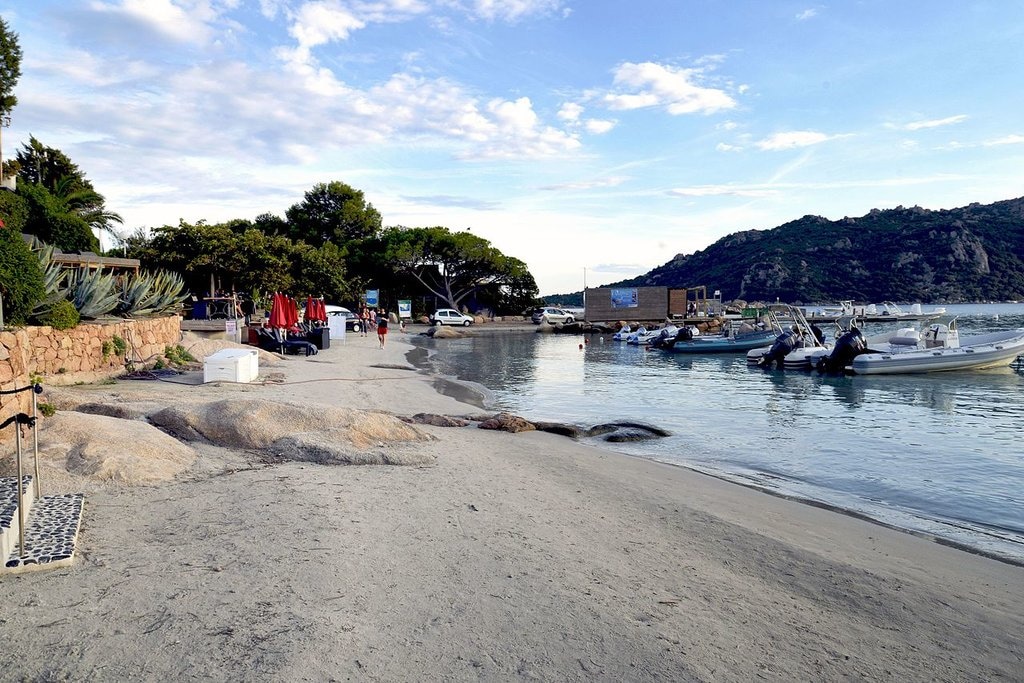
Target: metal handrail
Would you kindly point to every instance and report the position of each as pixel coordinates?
(24, 419)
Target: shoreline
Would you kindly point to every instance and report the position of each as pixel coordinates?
(512, 557)
(476, 394)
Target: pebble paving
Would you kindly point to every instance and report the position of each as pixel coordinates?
(50, 530)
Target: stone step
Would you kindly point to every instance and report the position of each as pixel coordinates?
(9, 518)
(51, 532)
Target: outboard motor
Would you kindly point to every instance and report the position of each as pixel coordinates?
(664, 339)
(850, 345)
(684, 334)
(784, 343)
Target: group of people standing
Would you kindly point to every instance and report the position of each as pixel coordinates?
(376, 319)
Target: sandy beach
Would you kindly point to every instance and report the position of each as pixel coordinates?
(488, 556)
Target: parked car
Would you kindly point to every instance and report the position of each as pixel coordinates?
(449, 316)
(352, 322)
(552, 316)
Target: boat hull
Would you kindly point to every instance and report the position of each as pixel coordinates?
(978, 355)
(738, 344)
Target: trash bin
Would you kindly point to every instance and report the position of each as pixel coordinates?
(199, 310)
(320, 337)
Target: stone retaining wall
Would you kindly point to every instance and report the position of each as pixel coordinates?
(61, 357)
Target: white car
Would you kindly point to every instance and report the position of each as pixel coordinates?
(449, 316)
(552, 316)
(351, 321)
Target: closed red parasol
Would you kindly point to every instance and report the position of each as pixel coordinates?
(278, 316)
(310, 314)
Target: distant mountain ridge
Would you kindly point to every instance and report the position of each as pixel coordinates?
(972, 253)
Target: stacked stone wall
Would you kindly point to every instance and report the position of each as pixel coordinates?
(62, 357)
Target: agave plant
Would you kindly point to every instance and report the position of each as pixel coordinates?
(93, 292)
(53, 277)
(150, 294)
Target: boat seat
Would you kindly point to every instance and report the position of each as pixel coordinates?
(906, 337)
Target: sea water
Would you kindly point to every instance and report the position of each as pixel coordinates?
(939, 454)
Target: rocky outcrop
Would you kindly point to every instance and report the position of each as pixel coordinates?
(507, 422)
(436, 420)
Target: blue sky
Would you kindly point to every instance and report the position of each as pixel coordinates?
(592, 138)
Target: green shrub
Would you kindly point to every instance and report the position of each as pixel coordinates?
(13, 211)
(21, 278)
(63, 316)
(47, 409)
(107, 348)
(120, 346)
(178, 355)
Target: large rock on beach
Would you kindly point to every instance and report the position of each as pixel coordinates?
(560, 428)
(260, 424)
(136, 410)
(436, 420)
(107, 450)
(618, 432)
(314, 447)
(445, 332)
(507, 422)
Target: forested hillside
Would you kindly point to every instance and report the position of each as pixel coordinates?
(973, 253)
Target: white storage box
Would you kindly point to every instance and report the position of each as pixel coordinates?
(231, 365)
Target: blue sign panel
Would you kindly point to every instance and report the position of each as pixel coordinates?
(624, 298)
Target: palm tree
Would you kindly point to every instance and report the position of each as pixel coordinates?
(88, 204)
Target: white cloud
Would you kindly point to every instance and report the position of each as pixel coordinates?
(791, 140)
(725, 147)
(183, 24)
(761, 190)
(611, 181)
(570, 112)
(935, 123)
(723, 190)
(1007, 140)
(657, 85)
(598, 126)
(807, 14)
(514, 10)
(317, 23)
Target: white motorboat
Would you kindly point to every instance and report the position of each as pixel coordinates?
(648, 337)
(800, 346)
(939, 349)
(885, 312)
(624, 333)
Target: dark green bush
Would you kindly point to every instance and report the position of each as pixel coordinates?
(13, 210)
(21, 277)
(63, 315)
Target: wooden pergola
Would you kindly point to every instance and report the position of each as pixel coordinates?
(87, 259)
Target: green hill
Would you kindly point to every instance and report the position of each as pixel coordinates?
(973, 253)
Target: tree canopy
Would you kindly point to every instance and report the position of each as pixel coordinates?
(242, 259)
(332, 212)
(455, 265)
(10, 67)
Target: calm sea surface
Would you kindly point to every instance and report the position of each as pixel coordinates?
(938, 453)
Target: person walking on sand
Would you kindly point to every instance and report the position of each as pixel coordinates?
(382, 327)
(364, 315)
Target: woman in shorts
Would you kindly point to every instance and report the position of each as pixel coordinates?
(382, 327)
